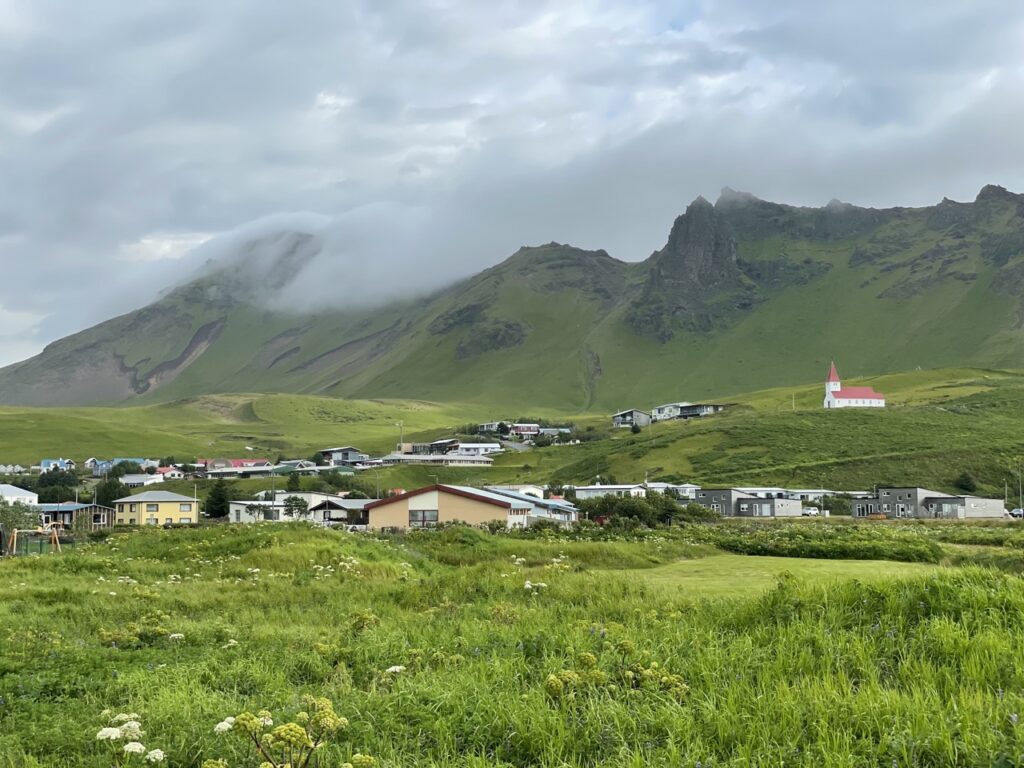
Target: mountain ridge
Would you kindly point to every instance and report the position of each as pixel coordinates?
(742, 288)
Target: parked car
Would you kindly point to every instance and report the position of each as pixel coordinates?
(1018, 512)
(810, 512)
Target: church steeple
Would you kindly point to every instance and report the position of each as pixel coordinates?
(833, 384)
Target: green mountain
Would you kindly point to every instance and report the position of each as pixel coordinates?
(745, 294)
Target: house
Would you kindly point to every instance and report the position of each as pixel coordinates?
(11, 494)
(764, 491)
(71, 514)
(267, 511)
(345, 456)
(555, 431)
(433, 505)
(771, 507)
(477, 449)
(922, 503)
(529, 490)
(963, 507)
(901, 502)
(342, 511)
(490, 427)
(667, 411)
(11, 469)
(556, 510)
(683, 491)
(101, 468)
(524, 430)
(138, 481)
(234, 463)
(170, 473)
(597, 491)
(630, 418)
(434, 459)
(838, 396)
(724, 501)
(156, 508)
(57, 465)
(636, 490)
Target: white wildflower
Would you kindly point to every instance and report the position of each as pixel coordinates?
(134, 748)
(131, 730)
(230, 644)
(266, 722)
(395, 669)
(528, 585)
(155, 756)
(108, 734)
(176, 636)
(222, 727)
(125, 717)
(112, 594)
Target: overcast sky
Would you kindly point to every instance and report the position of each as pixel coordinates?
(433, 138)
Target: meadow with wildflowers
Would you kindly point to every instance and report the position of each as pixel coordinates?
(273, 645)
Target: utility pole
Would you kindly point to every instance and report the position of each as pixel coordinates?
(1020, 487)
(401, 434)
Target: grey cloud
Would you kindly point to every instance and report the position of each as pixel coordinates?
(450, 133)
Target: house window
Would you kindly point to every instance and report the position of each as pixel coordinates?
(152, 508)
(150, 521)
(168, 520)
(133, 508)
(185, 520)
(422, 518)
(184, 507)
(131, 521)
(716, 507)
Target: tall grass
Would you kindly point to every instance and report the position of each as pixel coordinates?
(595, 669)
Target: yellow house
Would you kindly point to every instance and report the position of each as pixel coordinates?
(156, 508)
(428, 507)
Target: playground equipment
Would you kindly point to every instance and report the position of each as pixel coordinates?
(46, 531)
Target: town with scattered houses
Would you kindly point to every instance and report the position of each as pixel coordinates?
(513, 506)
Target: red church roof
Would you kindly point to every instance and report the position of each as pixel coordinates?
(833, 374)
(857, 393)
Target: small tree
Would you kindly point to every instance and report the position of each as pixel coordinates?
(218, 500)
(17, 516)
(295, 507)
(123, 468)
(318, 459)
(635, 429)
(107, 491)
(966, 482)
(504, 429)
(294, 483)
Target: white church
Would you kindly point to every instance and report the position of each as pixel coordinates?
(838, 396)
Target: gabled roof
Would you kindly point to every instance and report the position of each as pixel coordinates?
(341, 449)
(13, 490)
(485, 497)
(630, 410)
(153, 496)
(858, 393)
(833, 374)
(560, 504)
(71, 506)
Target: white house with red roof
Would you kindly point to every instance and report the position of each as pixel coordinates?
(838, 396)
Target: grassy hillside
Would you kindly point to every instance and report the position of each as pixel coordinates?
(746, 294)
(938, 425)
(632, 653)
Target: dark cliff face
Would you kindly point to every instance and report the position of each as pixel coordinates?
(694, 280)
(701, 249)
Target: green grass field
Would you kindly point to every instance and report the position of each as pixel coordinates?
(436, 654)
(939, 424)
(725, 575)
